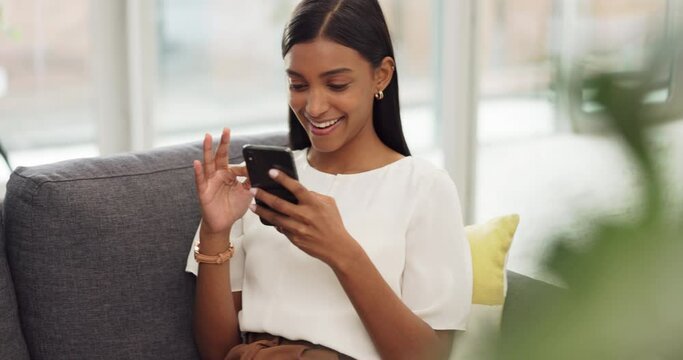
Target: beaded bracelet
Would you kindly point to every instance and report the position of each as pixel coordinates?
(214, 259)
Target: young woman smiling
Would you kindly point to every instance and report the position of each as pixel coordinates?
(373, 261)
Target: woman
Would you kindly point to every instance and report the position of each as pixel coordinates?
(372, 262)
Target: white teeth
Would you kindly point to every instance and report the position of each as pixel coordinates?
(325, 124)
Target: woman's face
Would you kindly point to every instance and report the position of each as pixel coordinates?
(331, 90)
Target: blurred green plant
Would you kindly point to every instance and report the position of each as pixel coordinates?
(625, 288)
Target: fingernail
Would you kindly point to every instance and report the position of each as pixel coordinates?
(253, 190)
(273, 173)
(252, 207)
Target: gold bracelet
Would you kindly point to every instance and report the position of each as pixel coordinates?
(214, 259)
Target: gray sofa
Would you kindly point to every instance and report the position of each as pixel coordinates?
(93, 254)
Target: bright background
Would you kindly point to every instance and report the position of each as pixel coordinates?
(81, 78)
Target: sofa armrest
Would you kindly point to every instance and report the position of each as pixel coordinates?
(521, 290)
(11, 338)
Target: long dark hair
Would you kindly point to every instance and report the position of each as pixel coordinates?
(359, 25)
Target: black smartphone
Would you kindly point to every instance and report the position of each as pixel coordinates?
(260, 159)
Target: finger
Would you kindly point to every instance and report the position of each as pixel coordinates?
(278, 220)
(321, 197)
(229, 178)
(277, 203)
(246, 184)
(239, 170)
(222, 152)
(199, 179)
(209, 166)
(295, 187)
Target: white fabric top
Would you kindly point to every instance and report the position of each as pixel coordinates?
(407, 217)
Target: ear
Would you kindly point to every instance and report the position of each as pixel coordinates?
(384, 73)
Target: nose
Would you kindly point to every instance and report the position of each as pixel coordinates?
(316, 103)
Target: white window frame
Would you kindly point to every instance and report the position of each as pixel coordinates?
(124, 69)
(457, 96)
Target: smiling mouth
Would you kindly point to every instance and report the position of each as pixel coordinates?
(326, 124)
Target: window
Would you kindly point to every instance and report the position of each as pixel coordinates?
(219, 65)
(517, 40)
(529, 46)
(218, 69)
(538, 153)
(45, 82)
(90, 77)
(621, 37)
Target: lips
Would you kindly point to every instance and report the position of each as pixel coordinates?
(326, 124)
(325, 127)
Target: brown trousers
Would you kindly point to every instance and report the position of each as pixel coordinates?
(270, 347)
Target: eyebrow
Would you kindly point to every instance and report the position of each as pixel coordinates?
(325, 74)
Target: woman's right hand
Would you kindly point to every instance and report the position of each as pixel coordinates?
(223, 199)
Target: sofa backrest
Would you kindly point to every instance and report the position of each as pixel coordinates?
(97, 250)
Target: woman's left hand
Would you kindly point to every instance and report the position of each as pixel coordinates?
(314, 225)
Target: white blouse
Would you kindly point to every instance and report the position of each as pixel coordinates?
(405, 215)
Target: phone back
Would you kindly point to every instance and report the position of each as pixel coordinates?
(260, 159)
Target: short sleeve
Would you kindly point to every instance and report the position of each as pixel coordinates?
(236, 262)
(437, 277)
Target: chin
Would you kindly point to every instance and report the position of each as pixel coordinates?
(328, 143)
(325, 145)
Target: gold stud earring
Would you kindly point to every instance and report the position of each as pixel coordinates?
(379, 95)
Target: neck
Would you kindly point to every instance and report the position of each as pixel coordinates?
(353, 157)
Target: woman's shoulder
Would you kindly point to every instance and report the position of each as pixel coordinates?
(428, 180)
(423, 165)
(423, 170)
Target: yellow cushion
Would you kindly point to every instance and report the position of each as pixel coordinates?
(490, 243)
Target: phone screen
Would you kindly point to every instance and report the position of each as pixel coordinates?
(260, 159)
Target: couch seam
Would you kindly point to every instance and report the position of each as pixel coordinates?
(40, 183)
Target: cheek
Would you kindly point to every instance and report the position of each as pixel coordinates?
(296, 101)
(360, 104)
(354, 102)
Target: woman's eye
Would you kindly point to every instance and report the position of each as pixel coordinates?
(297, 87)
(338, 87)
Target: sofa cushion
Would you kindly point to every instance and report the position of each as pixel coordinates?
(13, 345)
(489, 244)
(97, 251)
